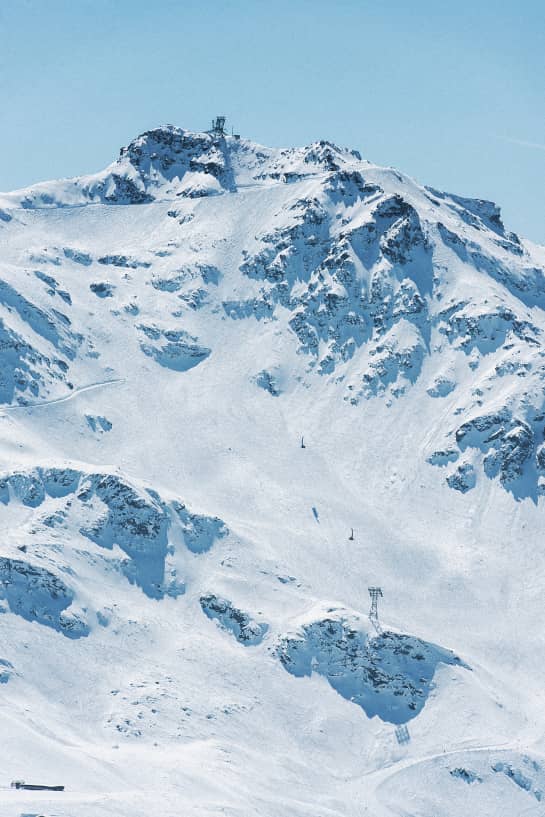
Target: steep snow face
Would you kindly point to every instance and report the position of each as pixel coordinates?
(218, 359)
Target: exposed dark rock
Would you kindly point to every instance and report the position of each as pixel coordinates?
(123, 261)
(102, 289)
(463, 479)
(240, 624)
(39, 595)
(179, 350)
(265, 380)
(135, 520)
(389, 675)
(466, 775)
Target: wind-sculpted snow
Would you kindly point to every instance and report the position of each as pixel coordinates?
(478, 213)
(241, 625)
(389, 675)
(120, 515)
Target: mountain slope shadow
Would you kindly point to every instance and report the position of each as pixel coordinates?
(389, 675)
(111, 511)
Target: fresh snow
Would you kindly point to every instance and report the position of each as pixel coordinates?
(184, 624)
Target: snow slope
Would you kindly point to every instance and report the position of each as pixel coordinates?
(184, 617)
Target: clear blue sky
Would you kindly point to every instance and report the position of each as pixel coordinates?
(451, 92)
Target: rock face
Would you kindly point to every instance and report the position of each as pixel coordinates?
(174, 349)
(186, 164)
(265, 380)
(239, 624)
(360, 267)
(118, 515)
(39, 595)
(316, 273)
(6, 671)
(37, 344)
(463, 479)
(389, 675)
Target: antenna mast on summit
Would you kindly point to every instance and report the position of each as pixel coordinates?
(218, 126)
(375, 593)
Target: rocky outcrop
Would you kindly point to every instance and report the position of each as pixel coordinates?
(463, 479)
(135, 519)
(36, 344)
(241, 625)
(124, 261)
(200, 532)
(6, 671)
(507, 441)
(267, 381)
(173, 348)
(37, 594)
(315, 272)
(389, 675)
(102, 289)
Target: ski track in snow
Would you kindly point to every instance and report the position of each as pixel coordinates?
(74, 393)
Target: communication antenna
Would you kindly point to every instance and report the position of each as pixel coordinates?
(303, 442)
(375, 593)
(218, 126)
(351, 537)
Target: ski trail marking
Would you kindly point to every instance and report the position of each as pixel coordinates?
(89, 387)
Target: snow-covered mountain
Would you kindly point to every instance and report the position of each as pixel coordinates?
(217, 361)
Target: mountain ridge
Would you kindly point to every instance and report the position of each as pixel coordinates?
(218, 360)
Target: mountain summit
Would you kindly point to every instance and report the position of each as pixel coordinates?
(217, 361)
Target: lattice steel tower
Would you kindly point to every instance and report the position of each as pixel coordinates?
(218, 126)
(375, 593)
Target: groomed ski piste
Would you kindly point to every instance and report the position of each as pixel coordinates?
(184, 624)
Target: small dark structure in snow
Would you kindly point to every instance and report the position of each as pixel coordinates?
(375, 593)
(20, 784)
(218, 126)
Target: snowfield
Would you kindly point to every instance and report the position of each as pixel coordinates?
(184, 614)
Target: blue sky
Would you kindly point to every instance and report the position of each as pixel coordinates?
(451, 92)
